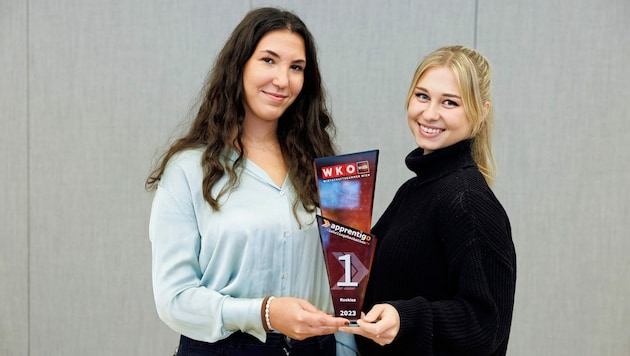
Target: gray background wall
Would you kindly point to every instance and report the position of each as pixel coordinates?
(90, 91)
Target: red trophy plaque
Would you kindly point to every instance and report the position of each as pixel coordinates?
(348, 253)
(345, 185)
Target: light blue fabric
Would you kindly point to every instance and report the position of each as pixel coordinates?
(211, 269)
(346, 346)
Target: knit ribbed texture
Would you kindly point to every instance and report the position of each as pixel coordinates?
(445, 260)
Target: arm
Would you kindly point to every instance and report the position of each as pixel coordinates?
(476, 319)
(474, 314)
(182, 302)
(180, 274)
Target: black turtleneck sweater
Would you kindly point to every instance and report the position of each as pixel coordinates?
(445, 260)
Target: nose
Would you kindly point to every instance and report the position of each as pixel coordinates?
(281, 78)
(431, 112)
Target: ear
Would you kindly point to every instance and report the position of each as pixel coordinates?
(486, 110)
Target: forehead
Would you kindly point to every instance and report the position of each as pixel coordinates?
(283, 43)
(440, 80)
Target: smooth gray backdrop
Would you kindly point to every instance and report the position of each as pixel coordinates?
(90, 91)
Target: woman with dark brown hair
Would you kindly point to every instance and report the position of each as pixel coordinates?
(237, 260)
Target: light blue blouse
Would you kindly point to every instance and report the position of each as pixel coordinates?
(212, 269)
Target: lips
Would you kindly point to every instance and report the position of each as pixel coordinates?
(275, 97)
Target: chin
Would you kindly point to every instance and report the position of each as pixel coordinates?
(424, 144)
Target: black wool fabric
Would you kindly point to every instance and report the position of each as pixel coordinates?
(445, 260)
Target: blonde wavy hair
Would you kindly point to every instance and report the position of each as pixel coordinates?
(473, 74)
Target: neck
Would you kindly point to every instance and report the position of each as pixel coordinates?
(262, 143)
(259, 134)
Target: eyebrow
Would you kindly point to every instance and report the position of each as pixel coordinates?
(272, 53)
(445, 94)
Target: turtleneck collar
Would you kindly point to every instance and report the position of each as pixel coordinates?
(440, 162)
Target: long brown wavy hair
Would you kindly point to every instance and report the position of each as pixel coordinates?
(305, 129)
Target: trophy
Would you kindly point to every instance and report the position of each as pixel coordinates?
(345, 184)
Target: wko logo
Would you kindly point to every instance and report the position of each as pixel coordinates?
(345, 170)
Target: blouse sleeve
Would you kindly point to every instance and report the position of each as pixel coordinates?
(182, 303)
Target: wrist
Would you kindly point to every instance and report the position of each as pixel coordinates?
(264, 314)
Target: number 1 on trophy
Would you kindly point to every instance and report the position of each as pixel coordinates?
(347, 282)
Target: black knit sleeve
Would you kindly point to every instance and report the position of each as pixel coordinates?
(474, 317)
(481, 274)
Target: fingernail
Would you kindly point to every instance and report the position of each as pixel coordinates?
(346, 323)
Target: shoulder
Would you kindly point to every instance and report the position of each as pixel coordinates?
(404, 191)
(462, 182)
(186, 159)
(406, 186)
(467, 193)
(469, 211)
(183, 169)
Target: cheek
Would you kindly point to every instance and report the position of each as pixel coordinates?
(297, 83)
(411, 122)
(465, 124)
(413, 110)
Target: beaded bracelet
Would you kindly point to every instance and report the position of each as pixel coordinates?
(267, 313)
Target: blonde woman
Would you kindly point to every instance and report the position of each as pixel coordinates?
(444, 273)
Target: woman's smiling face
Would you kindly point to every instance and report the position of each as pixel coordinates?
(274, 75)
(436, 113)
